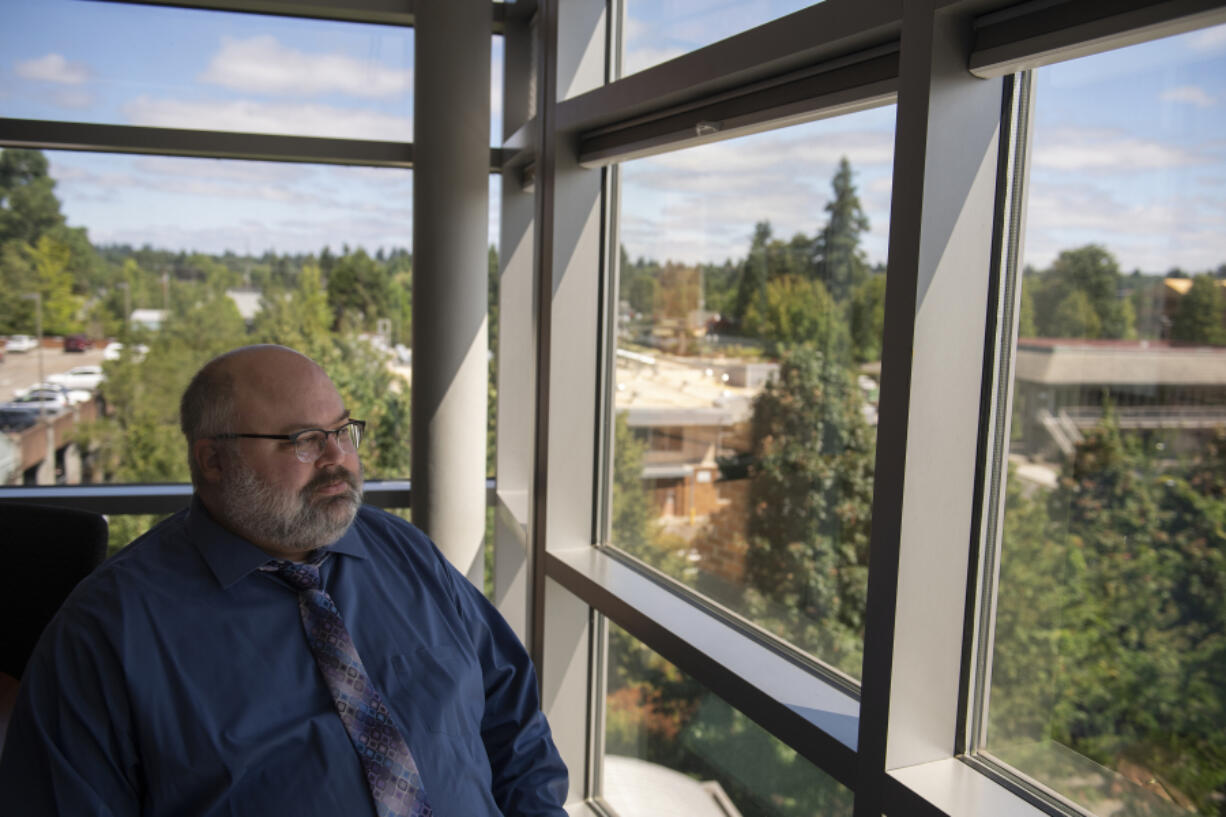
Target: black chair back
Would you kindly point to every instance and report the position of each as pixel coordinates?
(46, 552)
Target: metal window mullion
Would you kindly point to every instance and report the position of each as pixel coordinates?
(996, 451)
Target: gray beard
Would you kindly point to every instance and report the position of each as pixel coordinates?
(293, 522)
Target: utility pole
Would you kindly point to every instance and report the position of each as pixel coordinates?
(37, 297)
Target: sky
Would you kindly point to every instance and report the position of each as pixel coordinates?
(1129, 146)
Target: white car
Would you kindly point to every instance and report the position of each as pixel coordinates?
(56, 393)
(79, 377)
(21, 343)
(114, 349)
(51, 401)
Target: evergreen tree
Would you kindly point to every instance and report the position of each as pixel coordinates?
(810, 499)
(754, 271)
(837, 257)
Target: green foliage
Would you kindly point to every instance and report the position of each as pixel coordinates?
(359, 291)
(867, 318)
(1111, 614)
(658, 714)
(1079, 296)
(28, 206)
(794, 311)
(755, 270)
(1201, 314)
(810, 500)
(630, 517)
(837, 257)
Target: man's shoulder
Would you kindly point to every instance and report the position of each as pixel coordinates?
(152, 561)
(395, 538)
(377, 524)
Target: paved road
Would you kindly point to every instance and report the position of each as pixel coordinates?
(20, 369)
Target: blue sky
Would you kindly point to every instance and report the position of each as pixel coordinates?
(1129, 150)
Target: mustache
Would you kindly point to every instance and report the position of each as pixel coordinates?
(337, 473)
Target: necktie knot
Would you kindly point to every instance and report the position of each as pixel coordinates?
(299, 575)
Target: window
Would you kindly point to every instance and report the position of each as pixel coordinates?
(1106, 684)
(674, 747)
(90, 62)
(749, 320)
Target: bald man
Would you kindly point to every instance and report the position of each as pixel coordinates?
(278, 647)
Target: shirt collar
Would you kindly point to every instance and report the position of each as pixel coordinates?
(232, 557)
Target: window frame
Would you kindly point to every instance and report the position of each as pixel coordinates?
(559, 211)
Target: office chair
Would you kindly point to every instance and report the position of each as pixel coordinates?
(46, 551)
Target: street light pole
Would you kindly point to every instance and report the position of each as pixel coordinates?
(127, 304)
(37, 297)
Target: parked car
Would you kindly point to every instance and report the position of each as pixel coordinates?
(77, 343)
(21, 343)
(79, 377)
(16, 419)
(71, 396)
(114, 349)
(52, 401)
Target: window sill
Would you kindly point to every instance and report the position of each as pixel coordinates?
(817, 719)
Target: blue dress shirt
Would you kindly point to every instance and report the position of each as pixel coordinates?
(176, 680)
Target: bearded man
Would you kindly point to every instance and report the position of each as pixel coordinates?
(278, 647)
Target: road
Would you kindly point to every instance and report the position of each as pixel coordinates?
(20, 369)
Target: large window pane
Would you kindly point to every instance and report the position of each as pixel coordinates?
(673, 747)
(115, 63)
(751, 291)
(658, 30)
(161, 263)
(1108, 680)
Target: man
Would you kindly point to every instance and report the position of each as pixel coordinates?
(278, 648)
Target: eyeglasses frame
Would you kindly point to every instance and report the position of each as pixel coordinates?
(293, 438)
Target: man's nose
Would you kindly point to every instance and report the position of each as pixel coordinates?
(332, 453)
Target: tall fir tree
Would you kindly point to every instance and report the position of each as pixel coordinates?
(838, 260)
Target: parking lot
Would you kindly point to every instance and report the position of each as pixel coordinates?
(20, 369)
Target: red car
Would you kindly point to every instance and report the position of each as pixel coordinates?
(77, 343)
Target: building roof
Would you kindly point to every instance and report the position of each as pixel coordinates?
(663, 390)
(247, 301)
(1063, 361)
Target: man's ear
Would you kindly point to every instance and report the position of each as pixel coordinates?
(208, 459)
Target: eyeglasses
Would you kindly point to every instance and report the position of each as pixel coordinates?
(309, 444)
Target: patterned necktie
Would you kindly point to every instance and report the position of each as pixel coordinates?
(391, 772)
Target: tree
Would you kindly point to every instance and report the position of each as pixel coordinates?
(794, 311)
(837, 257)
(754, 271)
(810, 498)
(28, 206)
(868, 318)
(1201, 314)
(1110, 615)
(629, 527)
(1090, 277)
(358, 290)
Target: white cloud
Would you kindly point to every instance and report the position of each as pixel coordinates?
(1088, 149)
(53, 68)
(257, 117)
(1209, 39)
(1190, 94)
(262, 65)
(1152, 235)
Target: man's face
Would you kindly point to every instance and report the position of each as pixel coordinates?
(266, 493)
